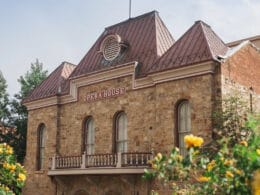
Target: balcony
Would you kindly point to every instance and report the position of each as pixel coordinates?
(119, 163)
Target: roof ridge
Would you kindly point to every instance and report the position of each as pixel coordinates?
(205, 25)
(201, 23)
(178, 40)
(159, 26)
(133, 19)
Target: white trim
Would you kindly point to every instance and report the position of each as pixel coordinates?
(97, 171)
(122, 71)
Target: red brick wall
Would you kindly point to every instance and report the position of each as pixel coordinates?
(244, 68)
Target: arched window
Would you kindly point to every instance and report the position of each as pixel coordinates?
(41, 146)
(89, 135)
(121, 132)
(183, 124)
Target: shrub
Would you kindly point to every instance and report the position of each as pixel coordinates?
(12, 174)
(233, 169)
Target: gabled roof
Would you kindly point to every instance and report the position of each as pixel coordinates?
(198, 44)
(146, 35)
(56, 82)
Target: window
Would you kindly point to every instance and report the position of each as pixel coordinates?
(184, 124)
(121, 132)
(41, 146)
(89, 136)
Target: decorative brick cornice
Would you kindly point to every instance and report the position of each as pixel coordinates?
(122, 71)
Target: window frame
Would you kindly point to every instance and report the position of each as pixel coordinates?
(86, 134)
(116, 130)
(178, 133)
(41, 145)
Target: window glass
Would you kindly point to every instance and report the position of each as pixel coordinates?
(121, 125)
(184, 124)
(90, 136)
(41, 145)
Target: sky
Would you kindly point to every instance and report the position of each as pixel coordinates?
(54, 31)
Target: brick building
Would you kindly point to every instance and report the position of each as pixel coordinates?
(92, 127)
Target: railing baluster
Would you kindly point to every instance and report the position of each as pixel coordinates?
(131, 159)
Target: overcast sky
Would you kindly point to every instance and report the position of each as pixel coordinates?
(63, 30)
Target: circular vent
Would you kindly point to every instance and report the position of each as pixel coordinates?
(111, 47)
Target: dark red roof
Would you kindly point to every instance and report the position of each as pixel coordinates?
(146, 35)
(149, 43)
(56, 82)
(198, 44)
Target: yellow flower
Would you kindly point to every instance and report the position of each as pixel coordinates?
(244, 143)
(256, 182)
(21, 177)
(211, 165)
(12, 167)
(203, 179)
(258, 151)
(229, 162)
(239, 172)
(179, 157)
(193, 141)
(229, 174)
(9, 150)
(1, 150)
(154, 166)
(159, 156)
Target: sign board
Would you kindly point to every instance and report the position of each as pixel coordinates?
(104, 94)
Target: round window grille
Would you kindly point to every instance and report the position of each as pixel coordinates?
(111, 48)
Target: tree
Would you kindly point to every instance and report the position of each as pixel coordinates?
(28, 82)
(4, 111)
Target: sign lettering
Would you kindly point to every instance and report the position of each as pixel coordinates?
(107, 93)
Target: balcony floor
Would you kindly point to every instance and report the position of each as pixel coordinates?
(98, 171)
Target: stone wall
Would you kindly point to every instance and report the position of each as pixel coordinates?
(102, 185)
(151, 114)
(37, 181)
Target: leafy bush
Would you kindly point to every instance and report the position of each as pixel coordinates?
(233, 169)
(12, 174)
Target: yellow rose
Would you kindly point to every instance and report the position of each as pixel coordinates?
(244, 143)
(229, 174)
(12, 167)
(179, 158)
(229, 162)
(203, 179)
(159, 156)
(21, 177)
(9, 150)
(193, 141)
(154, 166)
(239, 172)
(211, 165)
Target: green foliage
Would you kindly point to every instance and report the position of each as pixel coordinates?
(4, 101)
(12, 174)
(28, 82)
(232, 167)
